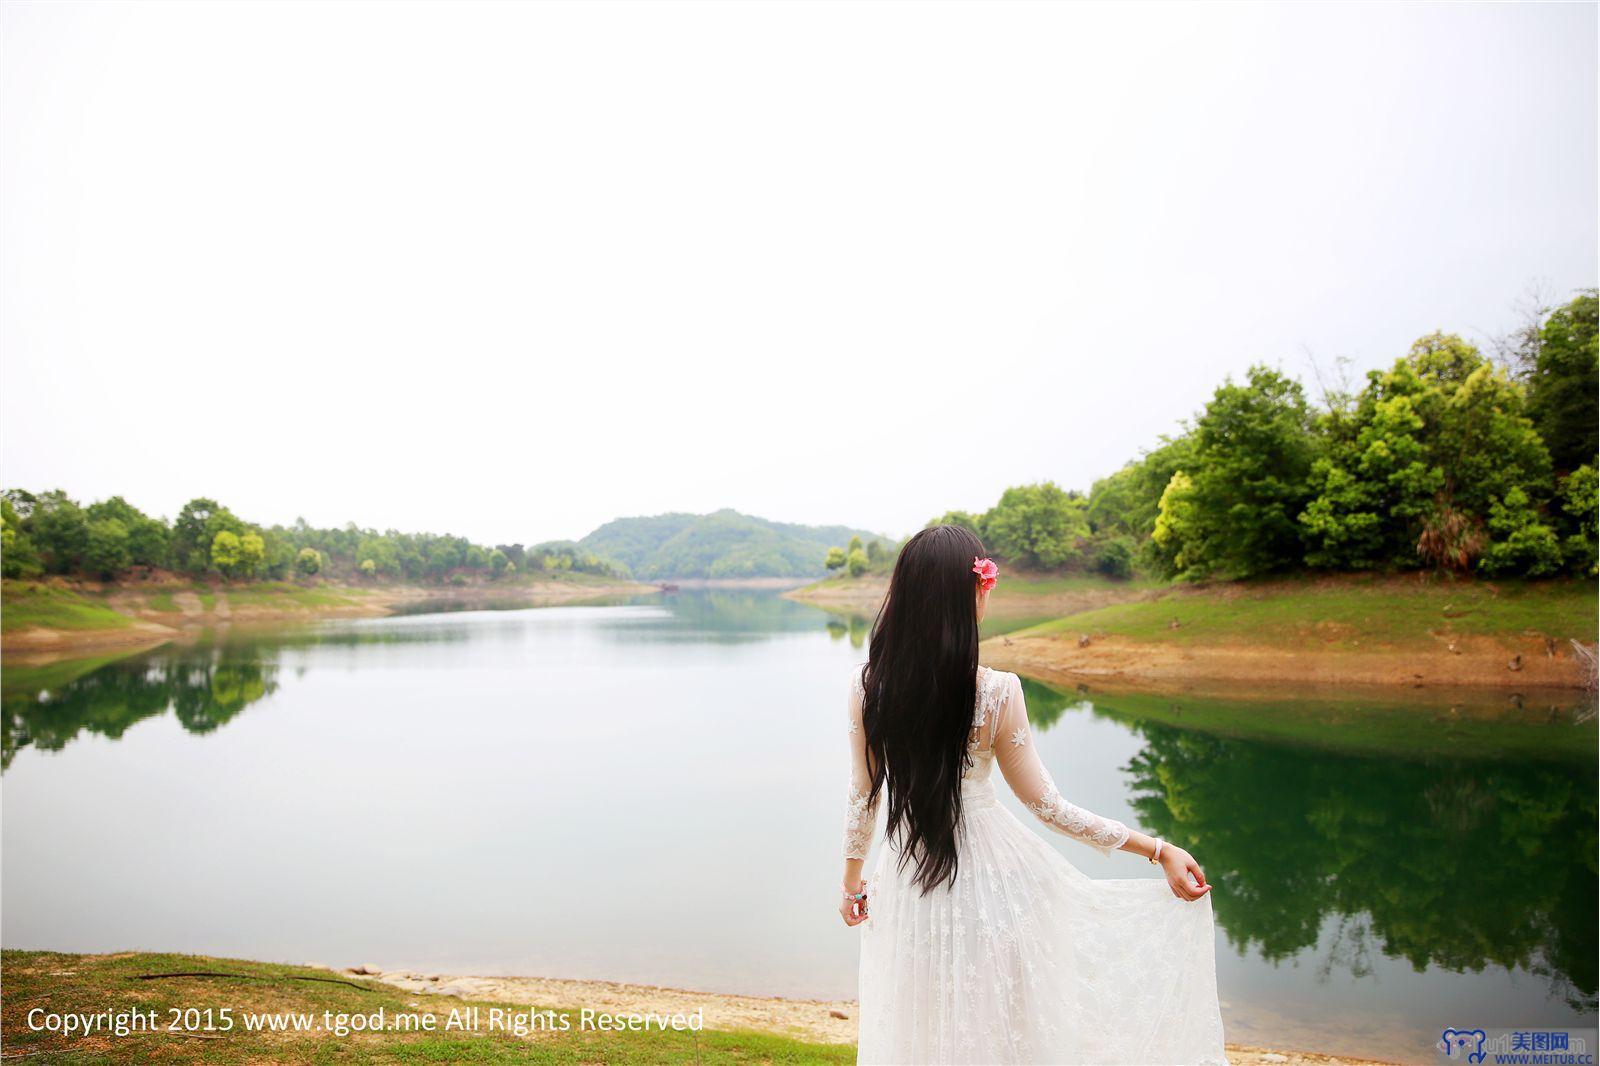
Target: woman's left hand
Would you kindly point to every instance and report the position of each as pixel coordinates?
(1184, 876)
(853, 911)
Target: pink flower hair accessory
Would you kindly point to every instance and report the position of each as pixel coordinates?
(987, 572)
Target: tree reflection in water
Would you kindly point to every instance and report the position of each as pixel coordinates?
(205, 684)
(1456, 861)
(203, 692)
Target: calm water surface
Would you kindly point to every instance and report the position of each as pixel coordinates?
(653, 792)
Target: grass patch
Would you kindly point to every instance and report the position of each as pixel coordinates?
(284, 595)
(25, 604)
(161, 601)
(1344, 612)
(87, 983)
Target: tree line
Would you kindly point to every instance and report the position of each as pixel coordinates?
(856, 559)
(1450, 459)
(50, 533)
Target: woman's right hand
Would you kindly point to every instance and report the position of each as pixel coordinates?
(853, 911)
(1180, 867)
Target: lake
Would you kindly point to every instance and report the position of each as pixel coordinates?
(653, 791)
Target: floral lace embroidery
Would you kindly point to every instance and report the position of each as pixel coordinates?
(1019, 737)
(1069, 819)
(989, 694)
(858, 819)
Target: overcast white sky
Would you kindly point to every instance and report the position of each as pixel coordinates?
(512, 270)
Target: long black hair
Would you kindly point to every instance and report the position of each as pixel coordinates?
(920, 687)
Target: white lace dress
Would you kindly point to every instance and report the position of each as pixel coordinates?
(1024, 958)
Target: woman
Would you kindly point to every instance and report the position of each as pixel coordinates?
(980, 942)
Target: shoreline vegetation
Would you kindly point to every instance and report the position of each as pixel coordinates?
(737, 1028)
(61, 616)
(1402, 631)
(1432, 522)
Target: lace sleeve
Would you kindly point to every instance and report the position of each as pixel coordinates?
(1028, 778)
(859, 817)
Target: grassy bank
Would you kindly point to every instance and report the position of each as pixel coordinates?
(52, 982)
(1388, 630)
(1345, 612)
(31, 604)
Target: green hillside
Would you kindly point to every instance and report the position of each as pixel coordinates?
(724, 544)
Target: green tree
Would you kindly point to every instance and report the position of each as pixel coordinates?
(965, 519)
(1563, 382)
(836, 558)
(368, 568)
(853, 546)
(60, 531)
(1128, 501)
(1039, 526)
(1521, 543)
(106, 551)
(278, 553)
(1372, 492)
(382, 552)
(147, 537)
(1486, 446)
(18, 557)
(1413, 471)
(1253, 451)
(252, 553)
(226, 552)
(308, 562)
(195, 529)
(191, 535)
(1113, 556)
(857, 562)
(1176, 525)
(498, 562)
(1579, 499)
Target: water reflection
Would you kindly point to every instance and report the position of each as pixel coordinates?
(203, 689)
(1482, 857)
(1454, 864)
(856, 628)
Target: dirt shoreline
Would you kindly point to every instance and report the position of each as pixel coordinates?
(826, 1021)
(150, 628)
(1510, 663)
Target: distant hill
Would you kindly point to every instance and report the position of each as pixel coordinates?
(723, 544)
